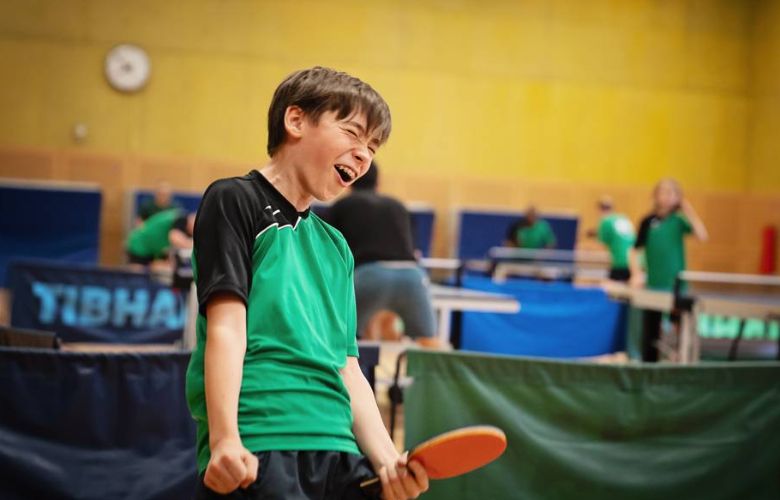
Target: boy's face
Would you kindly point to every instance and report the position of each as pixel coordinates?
(332, 154)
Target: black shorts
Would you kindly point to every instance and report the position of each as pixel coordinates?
(303, 475)
(617, 274)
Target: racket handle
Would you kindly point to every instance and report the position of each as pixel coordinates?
(372, 487)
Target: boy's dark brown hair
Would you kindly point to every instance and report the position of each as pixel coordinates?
(318, 90)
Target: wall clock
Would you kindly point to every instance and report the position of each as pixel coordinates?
(127, 67)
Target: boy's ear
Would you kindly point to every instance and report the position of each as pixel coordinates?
(293, 121)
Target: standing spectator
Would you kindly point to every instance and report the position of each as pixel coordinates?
(162, 200)
(661, 238)
(387, 278)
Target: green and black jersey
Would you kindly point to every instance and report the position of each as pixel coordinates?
(662, 239)
(295, 274)
(150, 239)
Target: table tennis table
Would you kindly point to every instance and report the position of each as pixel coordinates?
(546, 264)
(505, 262)
(714, 301)
(444, 299)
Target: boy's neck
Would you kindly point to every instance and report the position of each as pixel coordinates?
(283, 177)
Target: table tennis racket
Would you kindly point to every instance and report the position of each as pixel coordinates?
(453, 453)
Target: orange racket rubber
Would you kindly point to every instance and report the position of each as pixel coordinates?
(453, 453)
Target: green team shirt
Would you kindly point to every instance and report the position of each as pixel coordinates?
(617, 233)
(662, 239)
(151, 238)
(295, 274)
(536, 236)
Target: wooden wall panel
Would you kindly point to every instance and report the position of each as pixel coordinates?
(179, 173)
(110, 173)
(27, 164)
(112, 246)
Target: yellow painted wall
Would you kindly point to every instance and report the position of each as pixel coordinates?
(611, 92)
(764, 174)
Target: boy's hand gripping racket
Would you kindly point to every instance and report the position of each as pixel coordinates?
(453, 453)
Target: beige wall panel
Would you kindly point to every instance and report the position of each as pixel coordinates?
(27, 163)
(474, 192)
(112, 252)
(735, 220)
(209, 171)
(104, 169)
(178, 172)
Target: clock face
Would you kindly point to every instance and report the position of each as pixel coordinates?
(127, 67)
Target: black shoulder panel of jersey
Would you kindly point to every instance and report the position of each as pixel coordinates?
(233, 212)
(644, 228)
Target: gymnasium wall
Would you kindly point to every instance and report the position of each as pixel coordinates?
(599, 90)
(765, 89)
(496, 104)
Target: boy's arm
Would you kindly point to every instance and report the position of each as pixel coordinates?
(231, 465)
(699, 230)
(375, 442)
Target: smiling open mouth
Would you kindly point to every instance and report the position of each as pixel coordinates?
(346, 174)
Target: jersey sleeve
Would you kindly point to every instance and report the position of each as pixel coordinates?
(223, 242)
(641, 237)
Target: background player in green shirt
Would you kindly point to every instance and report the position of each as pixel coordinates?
(282, 407)
(661, 238)
(617, 233)
(162, 200)
(531, 232)
(153, 238)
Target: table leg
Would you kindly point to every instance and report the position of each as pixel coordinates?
(684, 348)
(443, 326)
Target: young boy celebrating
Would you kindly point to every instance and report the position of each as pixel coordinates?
(282, 408)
